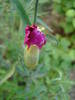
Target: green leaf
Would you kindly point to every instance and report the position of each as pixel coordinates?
(70, 13)
(8, 75)
(68, 28)
(73, 22)
(22, 12)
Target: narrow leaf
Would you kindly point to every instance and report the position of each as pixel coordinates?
(8, 75)
(22, 12)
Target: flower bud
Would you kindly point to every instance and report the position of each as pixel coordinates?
(31, 56)
(34, 40)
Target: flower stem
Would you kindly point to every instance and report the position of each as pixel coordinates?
(35, 13)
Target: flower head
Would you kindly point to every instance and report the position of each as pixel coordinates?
(33, 36)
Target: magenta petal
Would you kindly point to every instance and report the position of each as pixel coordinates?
(34, 36)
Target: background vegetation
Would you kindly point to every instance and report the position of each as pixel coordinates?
(51, 78)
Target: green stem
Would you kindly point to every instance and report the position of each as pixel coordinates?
(35, 13)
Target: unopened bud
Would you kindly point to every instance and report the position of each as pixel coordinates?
(31, 56)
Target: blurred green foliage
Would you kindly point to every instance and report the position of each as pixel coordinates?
(66, 8)
(51, 78)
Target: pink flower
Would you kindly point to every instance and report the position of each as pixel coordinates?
(33, 36)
